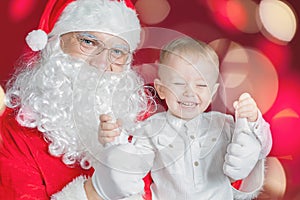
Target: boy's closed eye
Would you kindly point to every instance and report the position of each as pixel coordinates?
(201, 85)
(179, 83)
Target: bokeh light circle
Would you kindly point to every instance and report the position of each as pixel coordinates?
(278, 20)
(275, 180)
(248, 70)
(152, 12)
(19, 10)
(284, 119)
(242, 14)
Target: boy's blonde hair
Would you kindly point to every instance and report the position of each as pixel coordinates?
(187, 48)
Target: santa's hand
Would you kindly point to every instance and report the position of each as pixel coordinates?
(119, 172)
(242, 153)
(109, 129)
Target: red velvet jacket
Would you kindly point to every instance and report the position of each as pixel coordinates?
(27, 170)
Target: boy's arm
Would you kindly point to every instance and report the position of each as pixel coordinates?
(251, 185)
(245, 155)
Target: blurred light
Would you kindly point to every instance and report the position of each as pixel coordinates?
(153, 39)
(233, 75)
(278, 20)
(275, 180)
(21, 9)
(222, 46)
(286, 113)
(284, 120)
(157, 37)
(202, 31)
(242, 14)
(2, 96)
(148, 72)
(286, 136)
(233, 70)
(280, 55)
(152, 12)
(219, 11)
(247, 70)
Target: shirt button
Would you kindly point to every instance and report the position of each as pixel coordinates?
(170, 145)
(192, 137)
(196, 163)
(213, 139)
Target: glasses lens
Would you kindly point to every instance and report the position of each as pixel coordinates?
(89, 46)
(119, 56)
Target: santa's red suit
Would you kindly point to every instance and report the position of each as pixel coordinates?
(27, 169)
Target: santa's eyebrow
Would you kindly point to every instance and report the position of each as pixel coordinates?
(89, 35)
(121, 46)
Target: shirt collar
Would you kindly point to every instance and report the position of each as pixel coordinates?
(174, 121)
(177, 123)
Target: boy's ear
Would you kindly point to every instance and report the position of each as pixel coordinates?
(159, 88)
(214, 90)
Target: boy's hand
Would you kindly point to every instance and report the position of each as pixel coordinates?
(108, 129)
(246, 107)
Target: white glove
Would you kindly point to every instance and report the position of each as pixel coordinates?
(242, 153)
(120, 172)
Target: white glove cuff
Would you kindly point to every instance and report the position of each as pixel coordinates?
(261, 129)
(73, 191)
(253, 184)
(98, 187)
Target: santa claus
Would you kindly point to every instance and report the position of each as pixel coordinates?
(80, 69)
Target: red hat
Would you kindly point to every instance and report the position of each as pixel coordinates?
(108, 16)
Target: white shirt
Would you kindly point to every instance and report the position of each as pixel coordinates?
(187, 156)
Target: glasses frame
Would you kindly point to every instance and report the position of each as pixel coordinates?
(97, 47)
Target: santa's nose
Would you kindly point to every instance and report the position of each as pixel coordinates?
(101, 61)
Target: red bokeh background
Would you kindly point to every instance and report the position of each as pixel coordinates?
(196, 18)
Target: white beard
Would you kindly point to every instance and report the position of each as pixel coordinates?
(118, 94)
(63, 97)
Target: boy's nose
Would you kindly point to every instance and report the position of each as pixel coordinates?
(101, 61)
(189, 91)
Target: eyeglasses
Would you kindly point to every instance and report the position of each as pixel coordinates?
(92, 47)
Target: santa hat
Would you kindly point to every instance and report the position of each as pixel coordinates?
(108, 16)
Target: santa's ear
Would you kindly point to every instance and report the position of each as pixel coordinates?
(159, 88)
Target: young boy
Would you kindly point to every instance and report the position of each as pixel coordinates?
(192, 154)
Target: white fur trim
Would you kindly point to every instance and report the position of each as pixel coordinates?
(73, 191)
(37, 40)
(134, 197)
(110, 17)
(253, 184)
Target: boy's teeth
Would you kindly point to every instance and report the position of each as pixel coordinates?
(187, 104)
